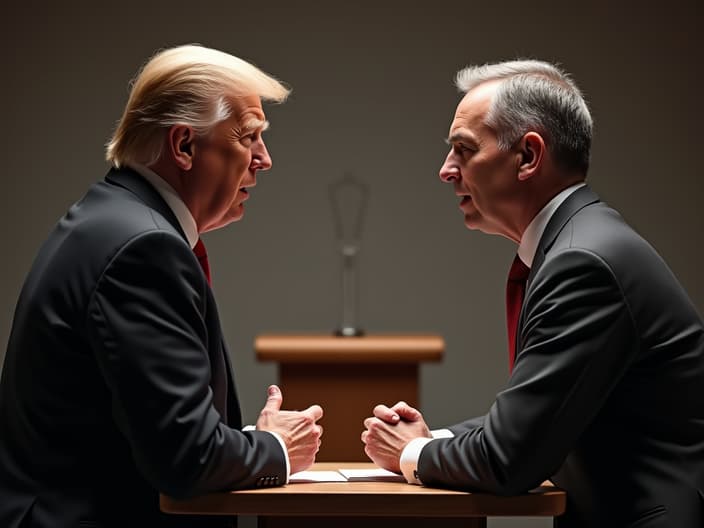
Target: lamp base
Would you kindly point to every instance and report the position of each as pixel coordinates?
(348, 331)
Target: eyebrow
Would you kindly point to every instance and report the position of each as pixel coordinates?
(458, 137)
(255, 123)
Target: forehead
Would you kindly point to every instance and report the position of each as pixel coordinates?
(247, 110)
(473, 108)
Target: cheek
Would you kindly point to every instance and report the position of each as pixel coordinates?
(239, 161)
(231, 169)
(484, 176)
(471, 178)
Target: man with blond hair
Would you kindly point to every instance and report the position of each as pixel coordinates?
(117, 384)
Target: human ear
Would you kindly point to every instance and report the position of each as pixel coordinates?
(531, 152)
(181, 145)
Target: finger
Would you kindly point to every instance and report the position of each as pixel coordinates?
(320, 431)
(384, 413)
(376, 426)
(274, 399)
(406, 412)
(314, 411)
(400, 405)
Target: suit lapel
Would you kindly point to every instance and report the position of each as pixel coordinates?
(131, 180)
(575, 202)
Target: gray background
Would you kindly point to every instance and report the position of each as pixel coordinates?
(372, 95)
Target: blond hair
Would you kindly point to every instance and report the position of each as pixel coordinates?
(186, 85)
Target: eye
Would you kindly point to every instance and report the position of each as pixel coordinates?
(462, 149)
(248, 139)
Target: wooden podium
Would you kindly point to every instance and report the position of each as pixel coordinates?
(347, 377)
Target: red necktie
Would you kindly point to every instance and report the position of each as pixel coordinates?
(202, 255)
(515, 289)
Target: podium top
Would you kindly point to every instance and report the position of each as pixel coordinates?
(406, 348)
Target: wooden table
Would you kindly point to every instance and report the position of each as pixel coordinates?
(368, 504)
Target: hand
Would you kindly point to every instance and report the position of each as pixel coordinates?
(298, 429)
(389, 431)
(400, 411)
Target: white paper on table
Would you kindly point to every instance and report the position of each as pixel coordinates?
(316, 476)
(376, 474)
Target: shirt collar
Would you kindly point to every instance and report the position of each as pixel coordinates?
(173, 200)
(534, 231)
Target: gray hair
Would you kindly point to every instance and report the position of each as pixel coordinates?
(535, 96)
(186, 85)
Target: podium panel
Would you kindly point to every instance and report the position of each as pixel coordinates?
(347, 377)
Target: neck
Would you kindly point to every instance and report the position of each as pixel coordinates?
(174, 177)
(536, 199)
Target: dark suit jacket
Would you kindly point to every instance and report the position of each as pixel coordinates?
(116, 384)
(607, 394)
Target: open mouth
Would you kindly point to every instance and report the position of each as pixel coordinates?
(465, 200)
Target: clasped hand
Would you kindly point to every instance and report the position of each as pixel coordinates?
(385, 436)
(298, 429)
(388, 432)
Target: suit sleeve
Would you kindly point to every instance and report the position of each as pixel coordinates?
(467, 425)
(146, 324)
(577, 340)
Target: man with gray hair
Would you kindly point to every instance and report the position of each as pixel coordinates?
(606, 350)
(117, 384)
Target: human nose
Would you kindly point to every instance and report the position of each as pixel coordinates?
(260, 156)
(449, 172)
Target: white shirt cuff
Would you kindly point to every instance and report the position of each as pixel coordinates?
(283, 447)
(442, 433)
(411, 454)
(409, 459)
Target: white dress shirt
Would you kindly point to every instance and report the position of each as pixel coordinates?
(526, 252)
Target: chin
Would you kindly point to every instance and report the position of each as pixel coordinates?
(470, 223)
(237, 214)
(224, 222)
(231, 220)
